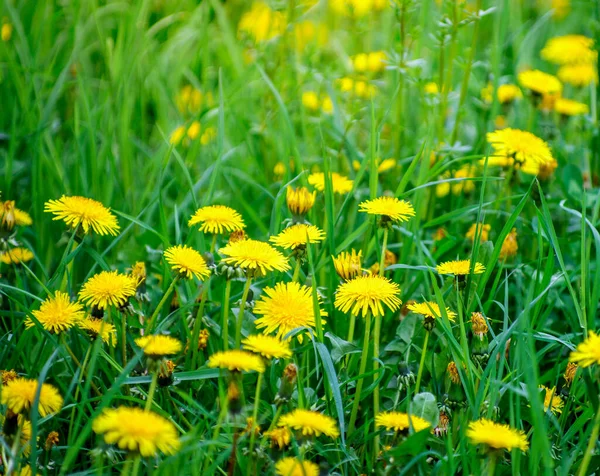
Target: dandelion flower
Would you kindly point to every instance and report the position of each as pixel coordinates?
(459, 268)
(509, 245)
(518, 148)
(298, 236)
(568, 107)
(310, 100)
(570, 372)
(310, 423)
(431, 310)
(187, 262)
(300, 200)
(57, 314)
(365, 294)
(88, 213)
(159, 346)
(569, 49)
(137, 431)
(25, 438)
(108, 288)
(552, 401)
(255, 256)
(217, 219)
(237, 361)
(280, 437)
(99, 327)
(348, 265)
(261, 23)
(540, 83)
(16, 255)
(588, 352)
(398, 421)
(290, 466)
(389, 207)
(285, 307)
(578, 75)
(339, 183)
(268, 346)
(22, 218)
(478, 229)
(19, 395)
(496, 435)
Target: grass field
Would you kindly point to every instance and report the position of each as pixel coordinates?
(406, 248)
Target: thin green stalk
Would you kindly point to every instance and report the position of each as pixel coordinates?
(589, 450)
(124, 338)
(225, 318)
(492, 463)
(136, 465)
(361, 371)
(254, 421)
(240, 317)
(150, 326)
(197, 323)
(151, 391)
(297, 270)
(422, 362)
(216, 432)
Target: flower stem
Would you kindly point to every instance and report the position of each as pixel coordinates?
(254, 423)
(225, 319)
(492, 463)
(136, 465)
(363, 366)
(150, 326)
(124, 338)
(422, 363)
(151, 391)
(240, 317)
(589, 450)
(383, 248)
(197, 323)
(296, 274)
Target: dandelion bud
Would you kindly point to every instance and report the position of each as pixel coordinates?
(250, 425)
(442, 428)
(288, 382)
(233, 398)
(174, 301)
(237, 235)
(406, 376)
(7, 216)
(8, 376)
(300, 200)
(52, 440)
(510, 245)
(452, 372)
(569, 374)
(165, 373)
(203, 339)
(455, 396)
(390, 258)
(479, 325)
(348, 265)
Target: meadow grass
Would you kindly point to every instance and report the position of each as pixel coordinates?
(91, 96)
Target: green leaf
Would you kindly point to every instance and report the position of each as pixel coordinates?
(424, 405)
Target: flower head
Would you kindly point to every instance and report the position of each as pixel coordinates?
(430, 309)
(285, 307)
(578, 75)
(570, 372)
(398, 421)
(88, 213)
(496, 435)
(513, 147)
(588, 352)
(108, 288)
(16, 255)
(540, 83)
(365, 294)
(187, 262)
(509, 245)
(506, 93)
(568, 107)
(310, 423)
(255, 256)
(483, 230)
(298, 235)
(339, 183)
(280, 437)
(217, 219)
(290, 466)
(159, 346)
(137, 431)
(300, 200)
(22, 218)
(388, 207)
(19, 396)
(452, 372)
(57, 314)
(261, 23)
(569, 49)
(99, 327)
(459, 268)
(479, 325)
(552, 401)
(7, 215)
(348, 265)
(237, 361)
(268, 346)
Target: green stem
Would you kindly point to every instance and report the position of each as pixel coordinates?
(240, 317)
(589, 450)
(363, 366)
(492, 464)
(136, 465)
(383, 248)
(376, 338)
(276, 417)
(296, 274)
(216, 431)
(254, 423)
(150, 326)
(197, 323)
(225, 319)
(422, 363)
(124, 338)
(151, 391)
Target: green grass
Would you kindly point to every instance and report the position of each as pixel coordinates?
(88, 93)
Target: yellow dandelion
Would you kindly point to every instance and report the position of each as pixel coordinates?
(300, 200)
(268, 346)
(16, 256)
(389, 207)
(459, 268)
(568, 107)
(19, 396)
(261, 23)
(519, 148)
(310, 423)
(285, 307)
(237, 361)
(483, 230)
(217, 219)
(578, 75)
(137, 431)
(22, 218)
(25, 438)
(570, 372)
(496, 435)
(298, 236)
(280, 437)
(552, 401)
(57, 314)
(254, 256)
(6, 32)
(569, 49)
(290, 466)
(310, 100)
(88, 213)
(187, 262)
(506, 93)
(365, 294)
(348, 265)
(108, 288)
(430, 309)
(431, 88)
(509, 245)
(8, 376)
(159, 346)
(98, 327)
(398, 421)
(540, 83)
(339, 183)
(588, 352)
